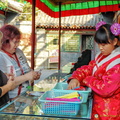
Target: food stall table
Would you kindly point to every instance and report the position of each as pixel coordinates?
(27, 106)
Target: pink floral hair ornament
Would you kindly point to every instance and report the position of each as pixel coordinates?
(98, 25)
(115, 29)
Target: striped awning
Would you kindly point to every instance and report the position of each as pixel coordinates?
(76, 7)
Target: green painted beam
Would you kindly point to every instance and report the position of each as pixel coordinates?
(83, 5)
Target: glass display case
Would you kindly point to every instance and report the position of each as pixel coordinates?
(28, 107)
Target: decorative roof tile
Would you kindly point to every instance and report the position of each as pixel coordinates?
(73, 22)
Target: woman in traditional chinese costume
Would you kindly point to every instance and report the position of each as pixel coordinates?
(102, 75)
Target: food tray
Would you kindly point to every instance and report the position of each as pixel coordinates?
(58, 107)
(63, 86)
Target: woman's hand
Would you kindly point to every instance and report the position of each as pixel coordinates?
(36, 75)
(11, 83)
(73, 83)
(32, 75)
(9, 75)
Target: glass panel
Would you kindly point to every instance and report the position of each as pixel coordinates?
(28, 106)
(31, 104)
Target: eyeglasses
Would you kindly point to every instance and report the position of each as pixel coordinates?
(16, 42)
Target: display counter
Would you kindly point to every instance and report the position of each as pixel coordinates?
(28, 107)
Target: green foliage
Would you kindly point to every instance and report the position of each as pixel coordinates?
(22, 1)
(3, 5)
(27, 12)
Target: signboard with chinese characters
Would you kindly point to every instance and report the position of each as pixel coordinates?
(71, 43)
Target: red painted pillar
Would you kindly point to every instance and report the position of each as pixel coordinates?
(59, 63)
(33, 40)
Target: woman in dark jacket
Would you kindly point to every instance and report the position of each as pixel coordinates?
(5, 83)
(84, 59)
(5, 86)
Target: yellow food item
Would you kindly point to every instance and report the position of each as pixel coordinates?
(70, 95)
